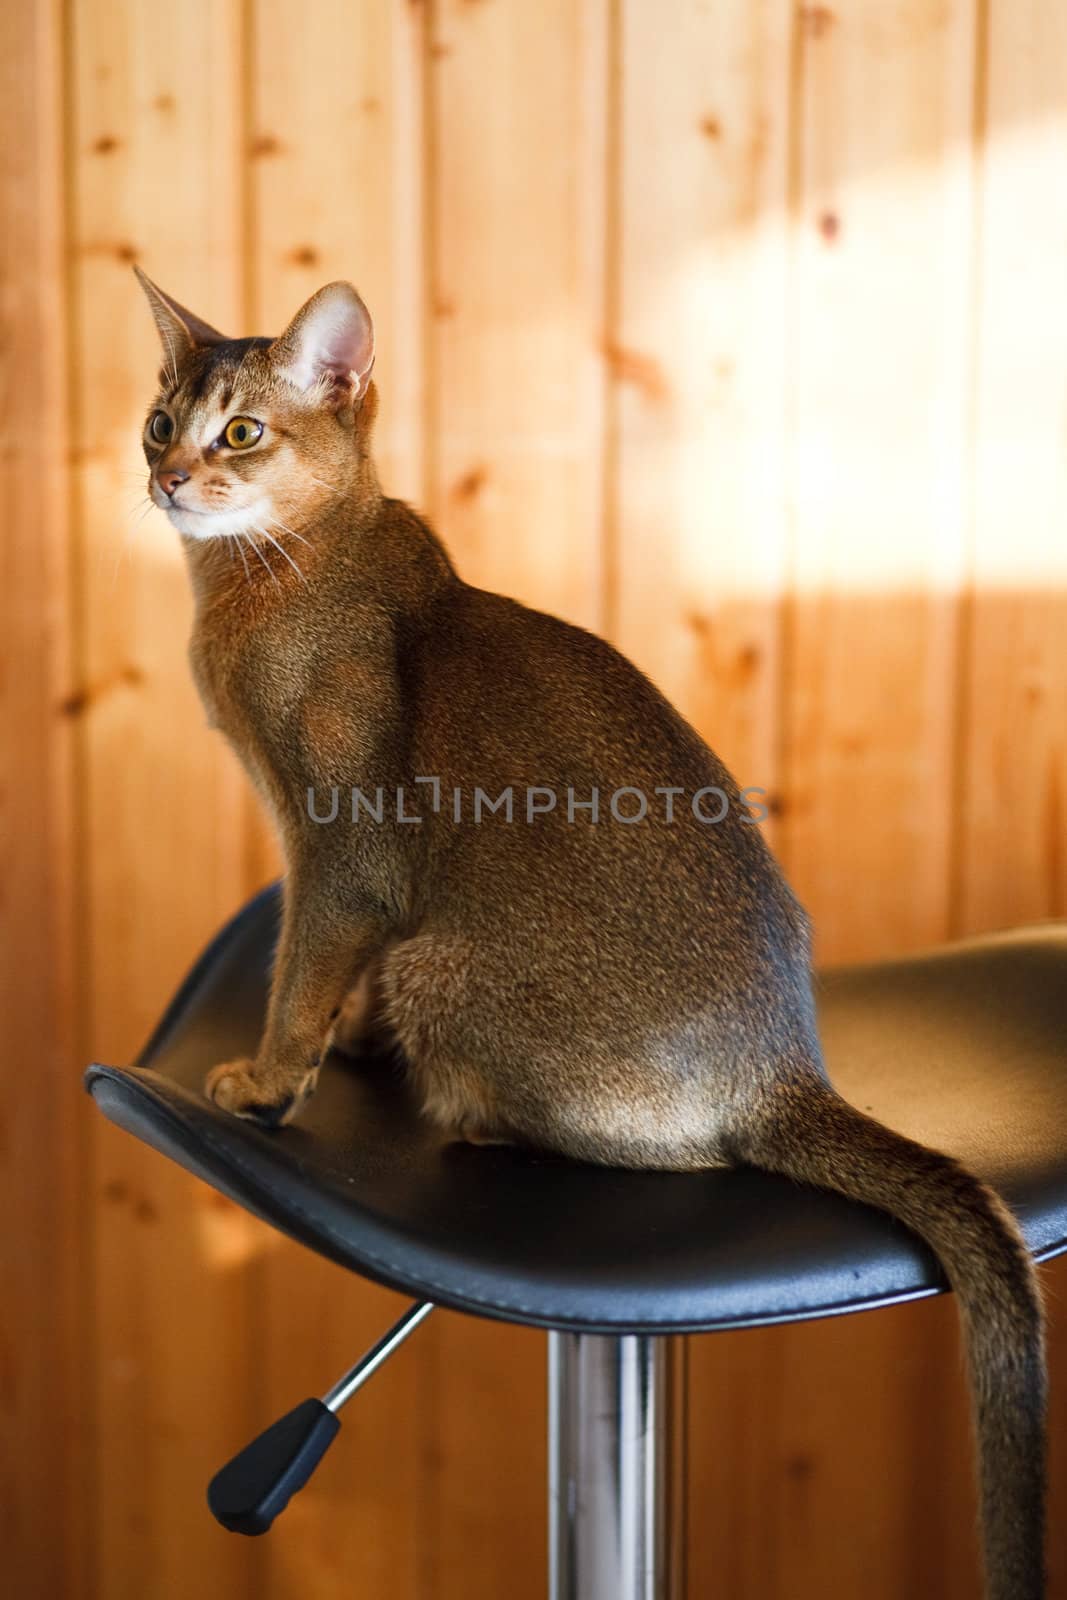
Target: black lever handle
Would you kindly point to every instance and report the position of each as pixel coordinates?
(249, 1492)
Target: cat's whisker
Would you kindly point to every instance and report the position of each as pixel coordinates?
(262, 557)
(138, 511)
(239, 542)
(276, 523)
(132, 524)
(285, 553)
(122, 550)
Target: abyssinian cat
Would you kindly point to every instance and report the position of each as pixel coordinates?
(626, 988)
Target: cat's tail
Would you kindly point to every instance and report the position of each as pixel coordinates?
(809, 1133)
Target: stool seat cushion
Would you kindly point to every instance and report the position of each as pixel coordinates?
(964, 1048)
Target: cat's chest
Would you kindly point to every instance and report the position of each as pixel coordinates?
(248, 680)
(297, 712)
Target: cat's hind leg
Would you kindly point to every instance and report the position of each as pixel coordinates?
(424, 990)
(459, 1101)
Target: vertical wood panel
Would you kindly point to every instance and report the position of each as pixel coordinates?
(881, 319)
(46, 1451)
(156, 147)
(483, 1496)
(833, 1446)
(1012, 859)
(1014, 822)
(337, 187)
(335, 182)
(871, 1434)
(698, 353)
(518, 156)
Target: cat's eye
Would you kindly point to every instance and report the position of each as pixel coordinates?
(241, 432)
(160, 427)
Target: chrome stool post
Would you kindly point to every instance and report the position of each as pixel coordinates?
(616, 1408)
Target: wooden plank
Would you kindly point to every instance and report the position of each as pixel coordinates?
(881, 328)
(43, 1527)
(828, 1426)
(1013, 862)
(803, 1415)
(336, 186)
(156, 143)
(871, 1429)
(698, 352)
(483, 1497)
(1012, 855)
(335, 178)
(518, 162)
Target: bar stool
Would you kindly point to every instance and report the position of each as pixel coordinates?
(964, 1048)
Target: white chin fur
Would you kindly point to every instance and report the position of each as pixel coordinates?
(220, 524)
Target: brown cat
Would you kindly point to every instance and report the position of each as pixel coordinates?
(627, 985)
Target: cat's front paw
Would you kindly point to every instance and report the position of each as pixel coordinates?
(234, 1087)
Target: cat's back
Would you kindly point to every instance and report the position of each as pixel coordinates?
(623, 833)
(543, 687)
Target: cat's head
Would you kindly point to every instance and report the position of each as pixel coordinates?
(248, 435)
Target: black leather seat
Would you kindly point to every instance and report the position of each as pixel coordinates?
(964, 1048)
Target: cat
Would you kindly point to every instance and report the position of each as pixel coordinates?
(623, 989)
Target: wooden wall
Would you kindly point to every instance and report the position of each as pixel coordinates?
(733, 328)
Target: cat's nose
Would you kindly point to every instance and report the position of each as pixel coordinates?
(169, 481)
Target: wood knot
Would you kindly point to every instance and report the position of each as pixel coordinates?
(816, 20)
(748, 659)
(631, 366)
(799, 1467)
(471, 483)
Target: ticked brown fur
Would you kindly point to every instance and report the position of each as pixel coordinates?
(637, 994)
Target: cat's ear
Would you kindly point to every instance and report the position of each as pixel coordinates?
(180, 331)
(329, 345)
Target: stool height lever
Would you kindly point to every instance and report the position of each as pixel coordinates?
(251, 1490)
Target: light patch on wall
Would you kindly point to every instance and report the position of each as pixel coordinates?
(229, 1237)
